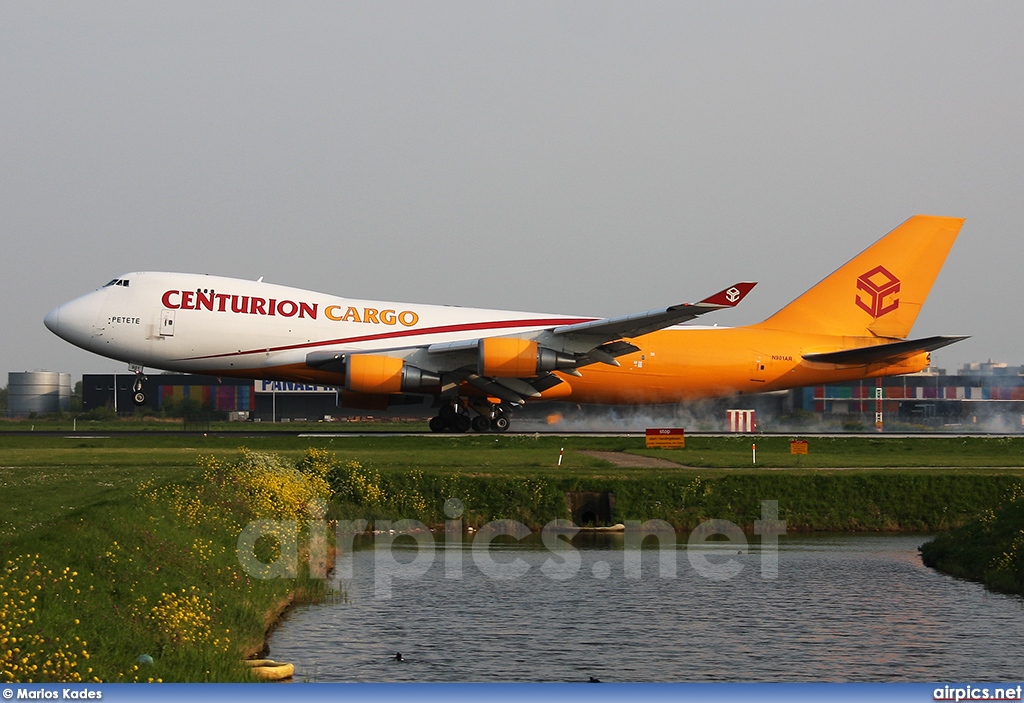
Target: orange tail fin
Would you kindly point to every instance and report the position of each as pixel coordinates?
(881, 290)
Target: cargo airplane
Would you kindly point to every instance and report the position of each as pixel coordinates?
(478, 364)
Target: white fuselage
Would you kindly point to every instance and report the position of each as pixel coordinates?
(211, 324)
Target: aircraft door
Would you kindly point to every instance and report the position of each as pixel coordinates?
(167, 323)
(759, 368)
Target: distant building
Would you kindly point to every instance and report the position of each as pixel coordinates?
(990, 368)
(38, 393)
(979, 393)
(233, 398)
(215, 394)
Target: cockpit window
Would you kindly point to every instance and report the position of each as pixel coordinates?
(112, 283)
(118, 282)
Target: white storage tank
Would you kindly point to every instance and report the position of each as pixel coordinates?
(39, 392)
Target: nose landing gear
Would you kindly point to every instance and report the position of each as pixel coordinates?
(138, 394)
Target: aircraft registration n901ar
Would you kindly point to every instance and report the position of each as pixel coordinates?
(478, 364)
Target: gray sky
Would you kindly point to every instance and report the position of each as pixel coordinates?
(574, 157)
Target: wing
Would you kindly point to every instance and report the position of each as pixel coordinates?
(514, 367)
(593, 338)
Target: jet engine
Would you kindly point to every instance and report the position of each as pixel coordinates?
(505, 357)
(373, 374)
(369, 373)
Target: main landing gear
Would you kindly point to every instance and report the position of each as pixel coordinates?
(455, 417)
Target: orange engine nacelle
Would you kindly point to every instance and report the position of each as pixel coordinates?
(372, 374)
(505, 357)
(501, 357)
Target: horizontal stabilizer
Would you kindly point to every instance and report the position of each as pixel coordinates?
(882, 352)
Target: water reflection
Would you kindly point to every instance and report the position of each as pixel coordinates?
(843, 608)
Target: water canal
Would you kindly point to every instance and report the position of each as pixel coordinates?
(843, 608)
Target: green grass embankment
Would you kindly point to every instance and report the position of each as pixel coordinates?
(808, 501)
(516, 455)
(869, 484)
(988, 549)
(151, 569)
(883, 483)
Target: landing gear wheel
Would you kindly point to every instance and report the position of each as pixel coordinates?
(500, 423)
(138, 395)
(481, 424)
(462, 423)
(437, 424)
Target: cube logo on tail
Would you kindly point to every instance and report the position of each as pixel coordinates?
(881, 288)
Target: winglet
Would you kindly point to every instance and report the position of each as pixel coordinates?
(730, 297)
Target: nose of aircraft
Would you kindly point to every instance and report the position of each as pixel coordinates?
(75, 321)
(52, 321)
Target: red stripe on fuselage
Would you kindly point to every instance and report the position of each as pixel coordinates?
(444, 329)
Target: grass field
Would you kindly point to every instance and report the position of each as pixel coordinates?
(45, 478)
(989, 549)
(119, 546)
(124, 573)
